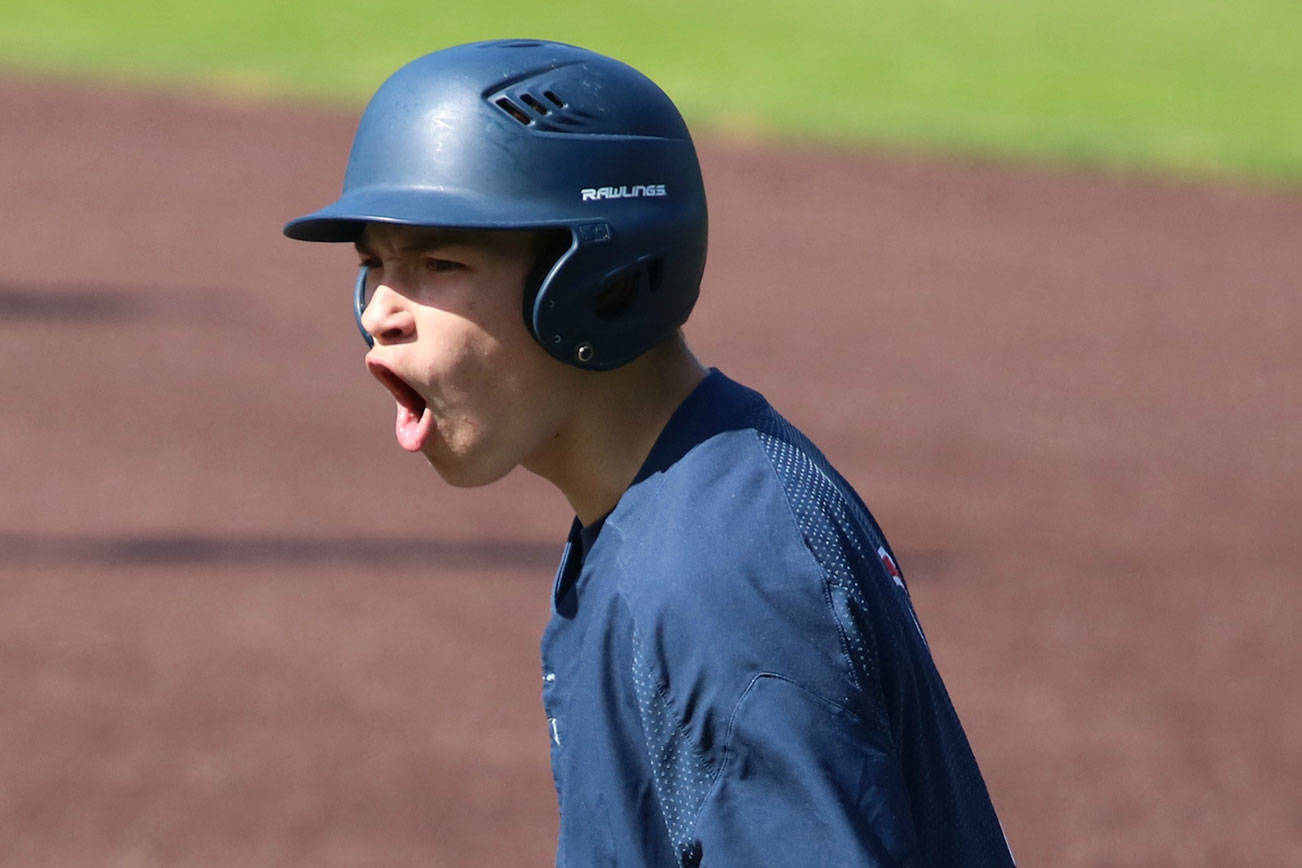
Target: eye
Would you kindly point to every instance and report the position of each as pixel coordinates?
(433, 263)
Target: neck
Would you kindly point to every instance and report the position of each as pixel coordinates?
(621, 413)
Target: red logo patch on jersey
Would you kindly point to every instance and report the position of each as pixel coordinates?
(889, 563)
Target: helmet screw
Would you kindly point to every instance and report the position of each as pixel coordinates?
(556, 339)
(584, 352)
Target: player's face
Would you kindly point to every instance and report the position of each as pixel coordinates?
(474, 393)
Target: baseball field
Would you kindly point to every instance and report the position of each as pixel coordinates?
(239, 626)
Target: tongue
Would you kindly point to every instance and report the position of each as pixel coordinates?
(412, 429)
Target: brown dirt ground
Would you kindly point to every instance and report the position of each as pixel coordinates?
(239, 626)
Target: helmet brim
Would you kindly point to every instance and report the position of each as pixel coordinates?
(344, 219)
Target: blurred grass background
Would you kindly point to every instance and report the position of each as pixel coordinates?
(1193, 87)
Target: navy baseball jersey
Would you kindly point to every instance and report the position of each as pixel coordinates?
(733, 674)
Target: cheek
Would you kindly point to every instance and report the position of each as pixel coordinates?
(479, 384)
(514, 383)
(483, 365)
(478, 323)
(451, 345)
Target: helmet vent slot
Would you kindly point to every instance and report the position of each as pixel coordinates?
(533, 103)
(514, 110)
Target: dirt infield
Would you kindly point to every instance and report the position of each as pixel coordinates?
(239, 626)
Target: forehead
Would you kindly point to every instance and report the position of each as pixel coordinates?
(401, 239)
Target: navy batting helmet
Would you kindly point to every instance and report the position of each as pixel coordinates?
(525, 134)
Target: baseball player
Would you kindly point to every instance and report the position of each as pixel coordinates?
(733, 674)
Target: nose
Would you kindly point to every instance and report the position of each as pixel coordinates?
(382, 313)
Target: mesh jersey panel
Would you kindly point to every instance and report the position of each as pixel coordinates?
(681, 771)
(891, 659)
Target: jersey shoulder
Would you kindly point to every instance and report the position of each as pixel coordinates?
(749, 553)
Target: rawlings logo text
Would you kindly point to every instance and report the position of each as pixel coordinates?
(637, 191)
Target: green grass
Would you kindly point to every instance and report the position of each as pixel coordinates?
(1187, 86)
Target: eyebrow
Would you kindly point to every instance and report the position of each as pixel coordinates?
(425, 244)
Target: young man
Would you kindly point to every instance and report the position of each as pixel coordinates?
(733, 673)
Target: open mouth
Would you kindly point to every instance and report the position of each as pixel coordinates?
(414, 419)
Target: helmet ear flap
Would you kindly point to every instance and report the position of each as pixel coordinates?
(553, 244)
(601, 315)
(577, 312)
(556, 315)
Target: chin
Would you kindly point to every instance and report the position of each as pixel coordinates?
(465, 473)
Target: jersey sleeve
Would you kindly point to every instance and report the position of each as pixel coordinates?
(803, 781)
